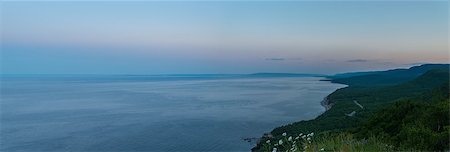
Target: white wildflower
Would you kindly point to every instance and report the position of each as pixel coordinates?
(294, 148)
(268, 141)
(274, 149)
(304, 136)
(301, 134)
(290, 138)
(280, 142)
(322, 149)
(308, 138)
(296, 138)
(312, 134)
(275, 144)
(284, 134)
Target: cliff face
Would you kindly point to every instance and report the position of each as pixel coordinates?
(326, 103)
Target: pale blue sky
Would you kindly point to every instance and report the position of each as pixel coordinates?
(220, 37)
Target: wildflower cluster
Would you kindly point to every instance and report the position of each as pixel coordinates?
(300, 142)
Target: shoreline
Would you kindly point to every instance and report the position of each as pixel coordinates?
(326, 103)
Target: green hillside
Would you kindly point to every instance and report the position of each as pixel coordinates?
(411, 124)
(358, 104)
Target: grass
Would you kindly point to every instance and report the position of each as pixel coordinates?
(345, 142)
(342, 142)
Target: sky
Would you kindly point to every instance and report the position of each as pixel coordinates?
(226, 37)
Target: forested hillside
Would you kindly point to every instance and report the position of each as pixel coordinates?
(396, 106)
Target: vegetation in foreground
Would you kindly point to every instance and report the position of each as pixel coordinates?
(391, 110)
(411, 125)
(325, 142)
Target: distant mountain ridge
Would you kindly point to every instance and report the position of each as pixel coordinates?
(383, 78)
(423, 68)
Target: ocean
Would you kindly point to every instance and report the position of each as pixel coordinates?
(152, 113)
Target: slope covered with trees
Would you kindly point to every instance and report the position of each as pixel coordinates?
(413, 106)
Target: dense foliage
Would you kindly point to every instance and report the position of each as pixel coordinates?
(325, 141)
(411, 113)
(413, 123)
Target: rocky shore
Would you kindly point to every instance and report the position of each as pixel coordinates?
(326, 103)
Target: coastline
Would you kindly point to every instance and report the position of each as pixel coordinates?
(326, 103)
(339, 120)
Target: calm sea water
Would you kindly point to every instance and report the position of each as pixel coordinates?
(163, 113)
